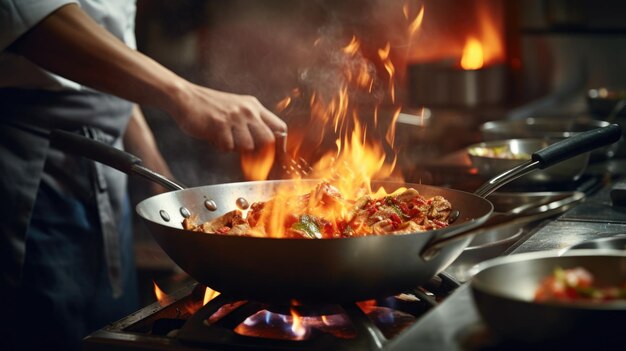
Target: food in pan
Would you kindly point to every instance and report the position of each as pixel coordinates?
(576, 284)
(325, 213)
(503, 152)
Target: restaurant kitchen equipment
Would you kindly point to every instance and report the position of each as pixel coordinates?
(551, 55)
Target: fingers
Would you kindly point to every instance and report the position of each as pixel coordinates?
(272, 121)
(229, 121)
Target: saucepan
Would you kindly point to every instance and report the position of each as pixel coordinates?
(504, 291)
(323, 270)
(494, 157)
(550, 128)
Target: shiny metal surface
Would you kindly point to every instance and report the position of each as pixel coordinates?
(551, 128)
(617, 242)
(509, 223)
(329, 270)
(504, 288)
(517, 152)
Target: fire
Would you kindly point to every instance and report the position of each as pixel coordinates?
(162, 298)
(473, 57)
(256, 165)
(209, 294)
(416, 23)
(298, 328)
(363, 147)
(467, 23)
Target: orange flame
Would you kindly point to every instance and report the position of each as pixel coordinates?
(209, 294)
(480, 20)
(162, 298)
(363, 146)
(257, 164)
(384, 57)
(298, 328)
(416, 23)
(473, 57)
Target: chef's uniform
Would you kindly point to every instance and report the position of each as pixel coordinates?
(65, 228)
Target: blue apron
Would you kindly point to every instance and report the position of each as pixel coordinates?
(65, 229)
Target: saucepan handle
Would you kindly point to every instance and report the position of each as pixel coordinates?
(577, 144)
(555, 153)
(94, 150)
(551, 155)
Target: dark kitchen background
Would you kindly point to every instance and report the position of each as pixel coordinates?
(540, 58)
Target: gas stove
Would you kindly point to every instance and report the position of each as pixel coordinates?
(185, 322)
(438, 315)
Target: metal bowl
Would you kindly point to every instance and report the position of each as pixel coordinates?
(494, 157)
(551, 128)
(503, 289)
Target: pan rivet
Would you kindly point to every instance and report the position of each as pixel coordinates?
(242, 203)
(210, 205)
(185, 212)
(164, 215)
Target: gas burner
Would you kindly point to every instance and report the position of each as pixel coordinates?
(227, 323)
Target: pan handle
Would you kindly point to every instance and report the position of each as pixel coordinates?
(555, 153)
(94, 150)
(548, 156)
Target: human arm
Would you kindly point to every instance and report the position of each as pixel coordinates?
(69, 43)
(139, 141)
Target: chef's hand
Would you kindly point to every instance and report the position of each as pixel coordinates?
(229, 121)
(69, 43)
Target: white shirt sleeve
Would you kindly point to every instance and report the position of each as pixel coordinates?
(18, 16)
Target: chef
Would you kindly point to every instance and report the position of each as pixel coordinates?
(65, 236)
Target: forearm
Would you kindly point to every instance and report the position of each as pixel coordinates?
(72, 45)
(69, 43)
(140, 141)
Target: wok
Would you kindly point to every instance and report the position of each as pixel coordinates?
(328, 270)
(503, 289)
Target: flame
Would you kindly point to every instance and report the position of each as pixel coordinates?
(384, 57)
(162, 298)
(353, 47)
(257, 164)
(298, 328)
(416, 23)
(480, 20)
(363, 147)
(367, 306)
(473, 57)
(209, 294)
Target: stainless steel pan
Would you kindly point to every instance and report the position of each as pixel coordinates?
(503, 289)
(329, 270)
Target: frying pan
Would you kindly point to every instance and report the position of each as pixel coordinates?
(512, 152)
(503, 289)
(324, 270)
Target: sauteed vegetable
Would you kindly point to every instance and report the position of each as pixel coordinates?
(576, 284)
(325, 213)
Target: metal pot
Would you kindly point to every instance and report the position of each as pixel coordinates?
(549, 128)
(328, 270)
(503, 289)
(494, 157)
